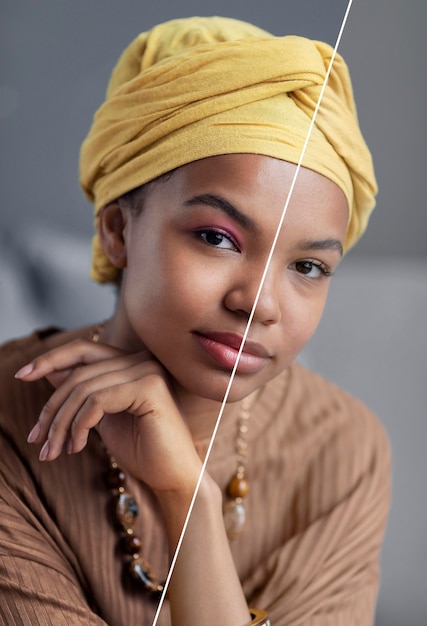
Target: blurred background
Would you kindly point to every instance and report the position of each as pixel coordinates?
(55, 60)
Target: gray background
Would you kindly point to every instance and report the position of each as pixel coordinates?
(56, 57)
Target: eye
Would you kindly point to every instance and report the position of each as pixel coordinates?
(218, 239)
(311, 269)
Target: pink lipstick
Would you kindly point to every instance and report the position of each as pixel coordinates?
(224, 348)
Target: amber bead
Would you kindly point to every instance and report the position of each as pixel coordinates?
(132, 544)
(238, 487)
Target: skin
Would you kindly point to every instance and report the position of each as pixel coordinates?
(191, 268)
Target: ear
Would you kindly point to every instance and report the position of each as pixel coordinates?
(111, 229)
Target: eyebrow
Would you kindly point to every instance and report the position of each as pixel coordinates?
(321, 244)
(216, 202)
(219, 203)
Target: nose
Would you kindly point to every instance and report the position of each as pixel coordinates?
(241, 296)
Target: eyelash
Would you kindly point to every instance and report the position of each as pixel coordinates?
(324, 269)
(220, 233)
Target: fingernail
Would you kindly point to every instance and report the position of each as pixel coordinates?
(70, 447)
(34, 433)
(24, 371)
(44, 451)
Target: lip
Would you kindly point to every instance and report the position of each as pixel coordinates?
(224, 348)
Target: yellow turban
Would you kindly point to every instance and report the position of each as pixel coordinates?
(199, 87)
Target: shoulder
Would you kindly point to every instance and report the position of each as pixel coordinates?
(347, 443)
(315, 400)
(320, 429)
(24, 348)
(18, 352)
(327, 482)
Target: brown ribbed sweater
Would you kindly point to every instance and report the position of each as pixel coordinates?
(319, 473)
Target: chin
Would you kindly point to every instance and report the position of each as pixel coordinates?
(214, 387)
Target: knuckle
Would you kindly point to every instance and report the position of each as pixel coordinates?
(81, 390)
(79, 345)
(94, 400)
(156, 383)
(78, 342)
(48, 408)
(158, 370)
(76, 378)
(75, 429)
(54, 427)
(153, 369)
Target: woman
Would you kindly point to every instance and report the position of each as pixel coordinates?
(190, 162)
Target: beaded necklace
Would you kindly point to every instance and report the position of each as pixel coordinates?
(126, 507)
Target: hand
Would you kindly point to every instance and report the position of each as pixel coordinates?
(127, 398)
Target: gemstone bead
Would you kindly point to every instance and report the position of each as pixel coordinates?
(141, 571)
(234, 519)
(126, 510)
(238, 487)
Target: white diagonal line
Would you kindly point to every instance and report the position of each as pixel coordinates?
(248, 325)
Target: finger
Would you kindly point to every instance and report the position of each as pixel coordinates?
(92, 413)
(67, 356)
(56, 379)
(67, 378)
(124, 401)
(58, 420)
(82, 381)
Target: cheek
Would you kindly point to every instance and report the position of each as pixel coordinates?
(301, 319)
(171, 279)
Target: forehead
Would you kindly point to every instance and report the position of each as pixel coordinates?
(259, 186)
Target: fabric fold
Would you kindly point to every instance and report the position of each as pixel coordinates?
(204, 96)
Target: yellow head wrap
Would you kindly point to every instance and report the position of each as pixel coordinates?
(199, 87)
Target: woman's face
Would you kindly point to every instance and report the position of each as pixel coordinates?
(195, 256)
